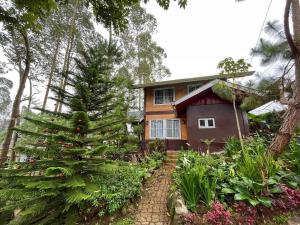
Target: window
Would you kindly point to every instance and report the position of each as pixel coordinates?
(206, 123)
(164, 96)
(157, 128)
(193, 87)
(165, 128)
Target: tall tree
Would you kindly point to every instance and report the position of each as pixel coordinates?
(292, 115)
(68, 149)
(229, 66)
(143, 58)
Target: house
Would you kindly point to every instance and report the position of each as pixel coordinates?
(185, 112)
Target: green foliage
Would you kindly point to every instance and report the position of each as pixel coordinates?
(250, 175)
(194, 181)
(126, 221)
(59, 183)
(269, 50)
(265, 125)
(229, 66)
(189, 189)
(157, 145)
(232, 147)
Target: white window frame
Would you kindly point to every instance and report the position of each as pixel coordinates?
(165, 129)
(165, 88)
(206, 123)
(193, 85)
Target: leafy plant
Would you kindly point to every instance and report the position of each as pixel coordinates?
(188, 185)
(218, 215)
(157, 145)
(232, 147)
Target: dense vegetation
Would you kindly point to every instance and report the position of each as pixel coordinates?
(68, 178)
(241, 186)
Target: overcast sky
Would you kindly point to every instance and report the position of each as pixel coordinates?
(206, 31)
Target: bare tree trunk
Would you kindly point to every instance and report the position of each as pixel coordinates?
(53, 66)
(237, 121)
(14, 141)
(16, 105)
(58, 105)
(30, 94)
(64, 83)
(292, 115)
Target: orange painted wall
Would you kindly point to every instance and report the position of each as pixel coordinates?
(180, 91)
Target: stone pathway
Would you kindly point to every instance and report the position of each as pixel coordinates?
(152, 208)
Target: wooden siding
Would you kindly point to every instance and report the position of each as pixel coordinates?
(206, 105)
(180, 91)
(225, 125)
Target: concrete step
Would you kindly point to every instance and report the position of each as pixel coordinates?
(172, 156)
(171, 161)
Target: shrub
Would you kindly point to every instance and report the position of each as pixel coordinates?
(245, 214)
(190, 219)
(232, 146)
(218, 215)
(189, 189)
(288, 200)
(157, 145)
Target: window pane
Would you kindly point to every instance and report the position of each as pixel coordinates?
(176, 128)
(159, 96)
(202, 123)
(210, 122)
(153, 128)
(193, 87)
(173, 128)
(169, 128)
(159, 130)
(169, 95)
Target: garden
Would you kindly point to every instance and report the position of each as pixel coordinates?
(242, 186)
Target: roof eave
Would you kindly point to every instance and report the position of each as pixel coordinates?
(195, 79)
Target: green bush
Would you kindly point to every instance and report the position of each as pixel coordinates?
(250, 175)
(157, 145)
(232, 146)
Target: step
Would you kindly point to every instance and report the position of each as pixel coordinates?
(171, 161)
(172, 156)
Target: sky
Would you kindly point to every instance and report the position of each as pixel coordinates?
(205, 32)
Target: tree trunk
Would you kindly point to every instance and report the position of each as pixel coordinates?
(53, 66)
(292, 115)
(14, 141)
(30, 94)
(58, 105)
(64, 83)
(16, 104)
(237, 121)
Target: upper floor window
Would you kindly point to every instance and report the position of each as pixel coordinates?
(164, 96)
(206, 123)
(193, 87)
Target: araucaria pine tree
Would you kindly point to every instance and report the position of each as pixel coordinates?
(56, 186)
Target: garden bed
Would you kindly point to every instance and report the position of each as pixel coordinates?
(246, 186)
(121, 190)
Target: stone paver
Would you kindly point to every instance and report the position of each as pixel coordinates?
(152, 208)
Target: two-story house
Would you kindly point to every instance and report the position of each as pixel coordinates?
(185, 112)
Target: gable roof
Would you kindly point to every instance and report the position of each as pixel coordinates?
(211, 84)
(193, 79)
